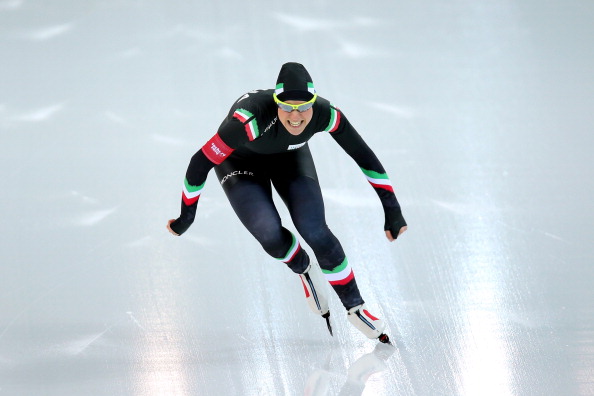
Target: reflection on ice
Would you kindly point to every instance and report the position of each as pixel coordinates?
(484, 350)
(93, 218)
(40, 114)
(168, 140)
(317, 24)
(319, 383)
(398, 111)
(11, 4)
(50, 32)
(354, 50)
(348, 198)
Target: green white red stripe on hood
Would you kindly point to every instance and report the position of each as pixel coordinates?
(249, 121)
(340, 275)
(378, 180)
(190, 193)
(280, 88)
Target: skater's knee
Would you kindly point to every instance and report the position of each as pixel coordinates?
(316, 234)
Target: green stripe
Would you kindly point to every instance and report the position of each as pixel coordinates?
(254, 125)
(332, 119)
(293, 242)
(374, 175)
(244, 112)
(336, 270)
(192, 188)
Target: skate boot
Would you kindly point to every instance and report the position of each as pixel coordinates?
(371, 326)
(316, 292)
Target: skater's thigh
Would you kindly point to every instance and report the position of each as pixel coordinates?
(299, 188)
(250, 194)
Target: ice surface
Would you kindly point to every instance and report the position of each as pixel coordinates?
(480, 111)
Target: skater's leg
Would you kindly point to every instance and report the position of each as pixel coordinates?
(251, 199)
(302, 194)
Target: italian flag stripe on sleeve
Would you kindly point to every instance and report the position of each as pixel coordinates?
(190, 193)
(251, 127)
(340, 275)
(378, 180)
(334, 120)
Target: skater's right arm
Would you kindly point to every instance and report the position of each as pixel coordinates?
(230, 135)
(194, 181)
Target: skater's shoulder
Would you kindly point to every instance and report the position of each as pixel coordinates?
(255, 103)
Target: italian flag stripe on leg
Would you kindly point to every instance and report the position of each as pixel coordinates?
(340, 275)
(190, 193)
(378, 180)
(251, 127)
(295, 247)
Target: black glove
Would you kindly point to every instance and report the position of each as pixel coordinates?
(394, 221)
(180, 226)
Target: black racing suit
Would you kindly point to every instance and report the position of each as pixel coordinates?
(252, 151)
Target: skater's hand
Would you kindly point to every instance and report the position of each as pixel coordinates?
(169, 227)
(389, 234)
(395, 224)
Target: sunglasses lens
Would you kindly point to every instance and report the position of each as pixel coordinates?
(304, 107)
(285, 107)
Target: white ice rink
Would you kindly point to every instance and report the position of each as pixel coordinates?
(481, 111)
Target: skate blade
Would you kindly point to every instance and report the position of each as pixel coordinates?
(327, 317)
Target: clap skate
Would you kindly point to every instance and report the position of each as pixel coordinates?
(371, 326)
(316, 292)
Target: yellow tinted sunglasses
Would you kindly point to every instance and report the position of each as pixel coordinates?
(290, 107)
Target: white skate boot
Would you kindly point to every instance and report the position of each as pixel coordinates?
(368, 324)
(316, 292)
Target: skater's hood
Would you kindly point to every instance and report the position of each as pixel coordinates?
(294, 83)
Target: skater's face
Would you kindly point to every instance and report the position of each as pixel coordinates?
(295, 121)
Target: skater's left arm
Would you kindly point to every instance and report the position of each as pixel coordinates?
(352, 143)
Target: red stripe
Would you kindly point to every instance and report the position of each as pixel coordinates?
(337, 123)
(241, 117)
(370, 316)
(384, 186)
(189, 201)
(345, 280)
(294, 254)
(248, 131)
(304, 288)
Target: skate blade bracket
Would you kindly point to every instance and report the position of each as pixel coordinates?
(327, 317)
(383, 338)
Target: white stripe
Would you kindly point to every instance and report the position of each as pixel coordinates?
(384, 182)
(339, 275)
(335, 113)
(189, 194)
(291, 252)
(250, 126)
